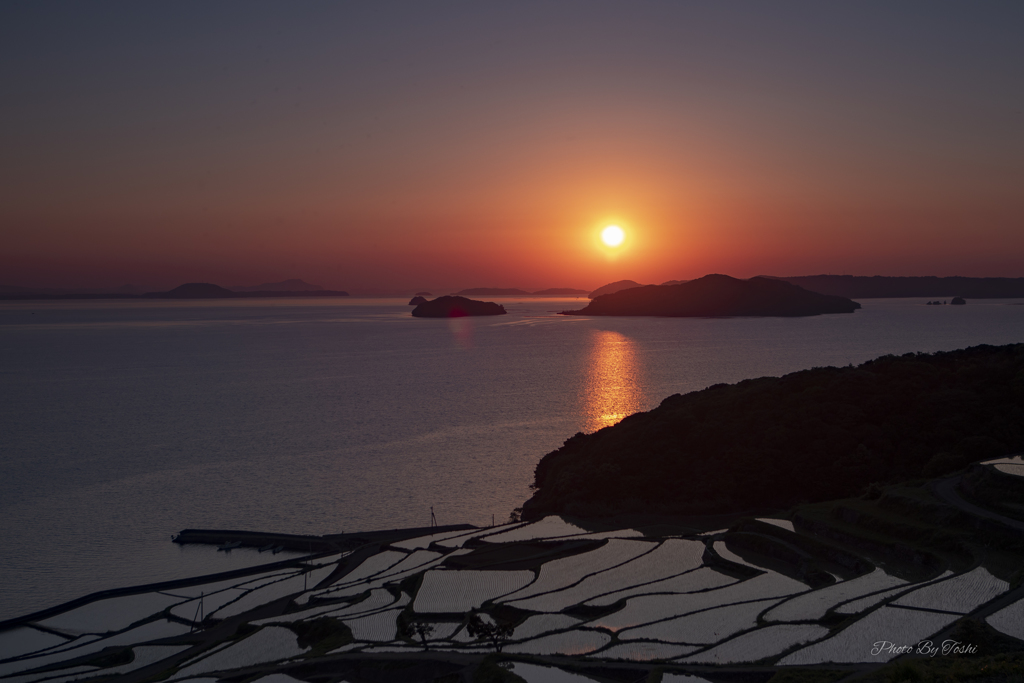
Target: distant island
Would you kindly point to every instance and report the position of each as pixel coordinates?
(717, 295)
(206, 290)
(880, 287)
(283, 286)
(456, 307)
(877, 287)
(808, 436)
(417, 300)
(499, 291)
(191, 290)
(492, 291)
(561, 291)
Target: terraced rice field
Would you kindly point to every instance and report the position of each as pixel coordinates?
(269, 644)
(813, 606)
(709, 626)
(273, 591)
(456, 538)
(1009, 620)
(559, 574)
(24, 640)
(671, 557)
(1015, 469)
(645, 609)
(726, 554)
(112, 614)
(545, 623)
(534, 673)
(755, 645)
(629, 599)
(701, 579)
(445, 590)
(549, 527)
(857, 642)
(781, 523)
(379, 627)
(568, 643)
(959, 594)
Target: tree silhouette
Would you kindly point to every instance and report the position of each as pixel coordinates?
(418, 629)
(496, 632)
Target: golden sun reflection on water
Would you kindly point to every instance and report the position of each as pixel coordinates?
(612, 389)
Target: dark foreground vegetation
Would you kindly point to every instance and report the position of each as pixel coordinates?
(809, 436)
(718, 295)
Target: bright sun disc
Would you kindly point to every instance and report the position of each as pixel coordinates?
(612, 235)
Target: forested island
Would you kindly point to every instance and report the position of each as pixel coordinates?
(809, 436)
(717, 295)
(456, 307)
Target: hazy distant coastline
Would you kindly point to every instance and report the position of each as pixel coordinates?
(191, 290)
(849, 286)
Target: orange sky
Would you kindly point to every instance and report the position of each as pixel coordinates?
(400, 149)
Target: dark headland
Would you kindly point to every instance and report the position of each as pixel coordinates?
(456, 307)
(718, 295)
(809, 436)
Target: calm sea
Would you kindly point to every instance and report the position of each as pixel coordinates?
(125, 422)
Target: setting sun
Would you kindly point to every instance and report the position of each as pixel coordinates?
(612, 235)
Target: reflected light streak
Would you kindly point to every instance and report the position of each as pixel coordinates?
(612, 388)
(462, 331)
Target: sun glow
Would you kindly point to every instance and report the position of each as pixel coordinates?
(613, 236)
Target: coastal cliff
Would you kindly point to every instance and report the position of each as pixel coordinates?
(808, 436)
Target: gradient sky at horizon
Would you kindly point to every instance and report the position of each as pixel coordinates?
(441, 145)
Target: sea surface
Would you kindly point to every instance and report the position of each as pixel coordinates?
(124, 422)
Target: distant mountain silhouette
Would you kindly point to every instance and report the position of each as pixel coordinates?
(33, 292)
(283, 286)
(456, 307)
(561, 291)
(862, 287)
(424, 294)
(492, 291)
(195, 290)
(718, 295)
(614, 287)
(675, 282)
(417, 300)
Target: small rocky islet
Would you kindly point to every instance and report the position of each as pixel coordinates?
(456, 307)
